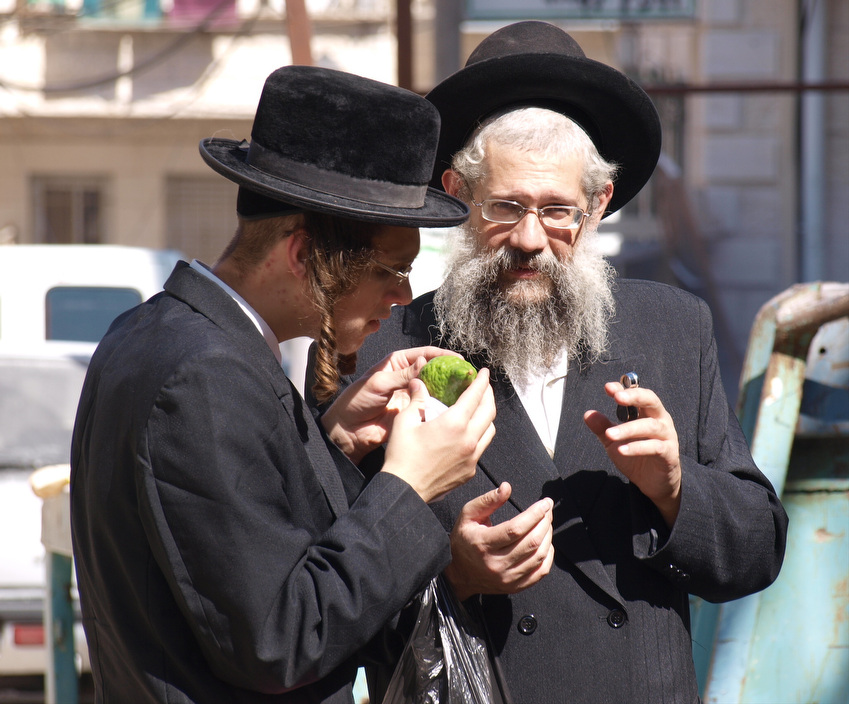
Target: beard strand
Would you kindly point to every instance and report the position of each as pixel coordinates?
(524, 327)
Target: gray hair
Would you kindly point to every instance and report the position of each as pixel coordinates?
(539, 130)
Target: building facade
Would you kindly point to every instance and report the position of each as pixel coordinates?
(103, 103)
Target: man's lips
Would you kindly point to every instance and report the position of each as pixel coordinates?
(377, 321)
(521, 272)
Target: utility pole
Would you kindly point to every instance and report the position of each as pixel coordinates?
(300, 32)
(449, 16)
(404, 37)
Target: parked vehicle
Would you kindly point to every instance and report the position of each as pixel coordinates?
(56, 302)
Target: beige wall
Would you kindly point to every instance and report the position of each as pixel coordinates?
(135, 157)
(740, 159)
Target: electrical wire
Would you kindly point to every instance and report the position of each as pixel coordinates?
(184, 39)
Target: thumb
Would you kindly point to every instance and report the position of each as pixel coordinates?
(412, 372)
(418, 399)
(482, 507)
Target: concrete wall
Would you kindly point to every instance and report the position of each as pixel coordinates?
(133, 156)
(739, 150)
(742, 156)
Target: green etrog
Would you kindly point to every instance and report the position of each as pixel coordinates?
(446, 377)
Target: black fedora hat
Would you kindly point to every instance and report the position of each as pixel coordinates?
(341, 144)
(535, 63)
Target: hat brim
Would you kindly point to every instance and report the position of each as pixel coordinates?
(228, 158)
(616, 113)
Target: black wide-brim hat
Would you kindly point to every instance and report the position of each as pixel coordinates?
(538, 64)
(338, 143)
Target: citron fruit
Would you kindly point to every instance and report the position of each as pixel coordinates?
(446, 377)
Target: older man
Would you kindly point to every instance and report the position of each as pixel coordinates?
(581, 537)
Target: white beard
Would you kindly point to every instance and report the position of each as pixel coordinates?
(523, 327)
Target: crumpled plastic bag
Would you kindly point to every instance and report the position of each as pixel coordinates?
(444, 661)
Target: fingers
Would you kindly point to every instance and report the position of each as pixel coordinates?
(644, 399)
(524, 533)
(482, 507)
(405, 358)
(598, 423)
(418, 398)
(476, 405)
(504, 558)
(471, 397)
(396, 370)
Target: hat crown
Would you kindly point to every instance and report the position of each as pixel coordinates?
(530, 37)
(341, 144)
(347, 124)
(534, 63)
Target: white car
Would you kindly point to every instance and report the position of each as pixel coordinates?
(39, 389)
(56, 302)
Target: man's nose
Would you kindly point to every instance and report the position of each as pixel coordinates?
(528, 234)
(401, 294)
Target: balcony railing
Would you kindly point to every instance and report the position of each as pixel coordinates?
(215, 13)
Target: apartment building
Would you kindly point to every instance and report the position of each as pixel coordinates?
(103, 102)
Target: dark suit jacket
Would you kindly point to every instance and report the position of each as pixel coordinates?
(610, 623)
(217, 556)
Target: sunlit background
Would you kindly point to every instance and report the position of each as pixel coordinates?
(103, 103)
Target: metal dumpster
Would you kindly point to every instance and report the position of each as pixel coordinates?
(790, 643)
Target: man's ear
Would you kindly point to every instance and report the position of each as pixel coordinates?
(603, 201)
(451, 182)
(297, 252)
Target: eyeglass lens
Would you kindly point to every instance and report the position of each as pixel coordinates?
(506, 212)
(402, 275)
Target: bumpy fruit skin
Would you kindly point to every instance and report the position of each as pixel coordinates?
(446, 377)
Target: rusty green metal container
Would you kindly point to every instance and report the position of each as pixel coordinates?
(790, 643)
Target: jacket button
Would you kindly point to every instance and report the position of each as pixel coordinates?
(527, 625)
(616, 618)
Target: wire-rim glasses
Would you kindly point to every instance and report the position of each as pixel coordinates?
(401, 274)
(509, 212)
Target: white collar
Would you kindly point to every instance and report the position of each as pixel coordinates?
(542, 398)
(261, 325)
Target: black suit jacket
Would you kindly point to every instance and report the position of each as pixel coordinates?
(225, 552)
(610, 623)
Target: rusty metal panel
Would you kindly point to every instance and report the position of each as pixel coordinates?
(800, 646)
(755, 656)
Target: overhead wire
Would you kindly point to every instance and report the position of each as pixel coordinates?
(181, 41)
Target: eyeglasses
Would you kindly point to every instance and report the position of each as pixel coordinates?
(401, 274)
(507, 212)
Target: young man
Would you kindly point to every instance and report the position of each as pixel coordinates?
(580, 538)
(227, 549)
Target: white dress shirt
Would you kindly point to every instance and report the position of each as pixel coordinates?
(542, 397)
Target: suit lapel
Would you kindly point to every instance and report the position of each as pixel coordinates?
(517, 454)
(213, 302)
(580, 458)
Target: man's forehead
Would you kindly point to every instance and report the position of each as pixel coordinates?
(397, 243)
(532, 171)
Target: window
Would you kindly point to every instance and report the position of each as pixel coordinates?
(200, 213)
(84, 313)
(68, 210)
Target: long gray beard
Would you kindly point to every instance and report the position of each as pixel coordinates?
(525, 327)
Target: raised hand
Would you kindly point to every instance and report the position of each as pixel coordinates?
(645, 450)
(501, 559)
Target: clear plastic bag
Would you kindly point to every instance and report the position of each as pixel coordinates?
(444, 660)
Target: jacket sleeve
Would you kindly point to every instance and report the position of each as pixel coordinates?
(729, 538)
(278, 591)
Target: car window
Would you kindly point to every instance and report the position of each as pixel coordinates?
(38, 402)
(84, 313)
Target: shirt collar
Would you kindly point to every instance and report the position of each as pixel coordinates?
(261, 325)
